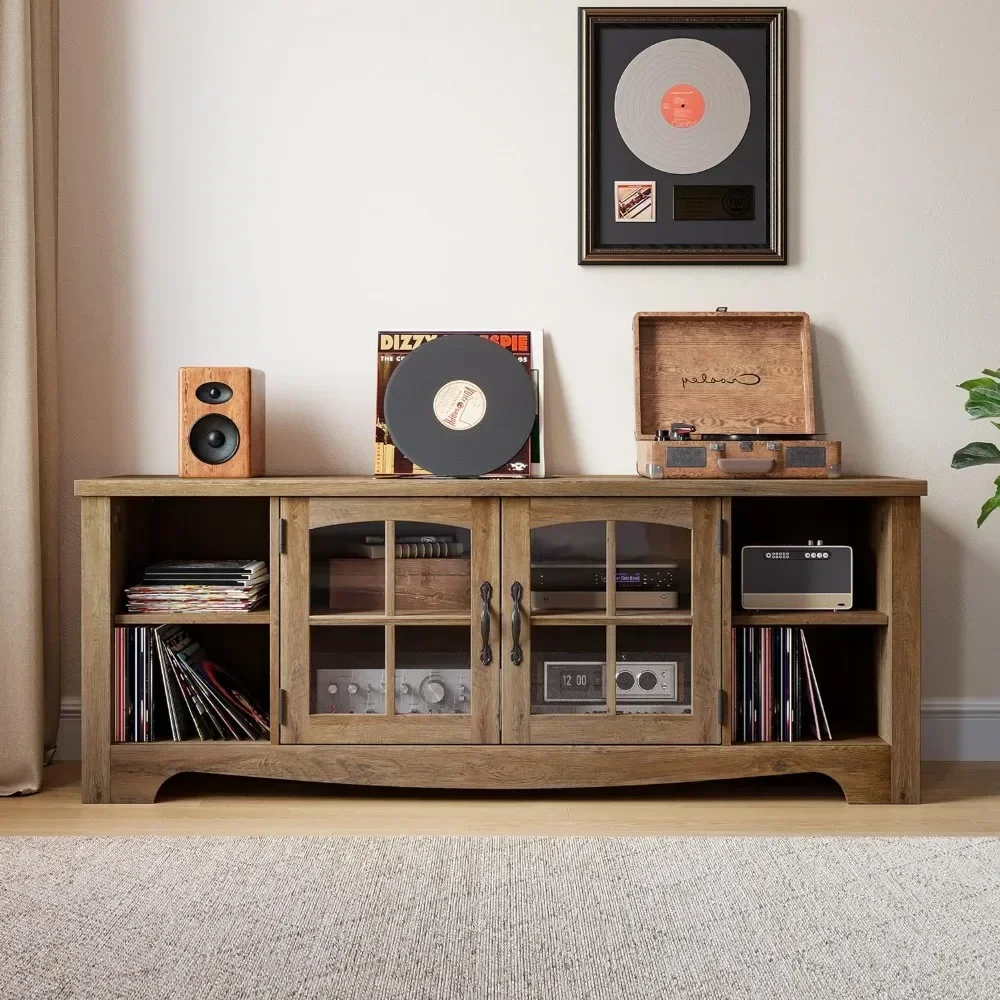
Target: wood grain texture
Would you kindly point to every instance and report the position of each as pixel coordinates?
(668, 511)
(485, 569)
(694, 367)
(621, 617)
(242, 408)
(706, 627)
(726, 620)
(803, 618)
(897, 545)
(384, 507)
(295, 643)
(195, 618)
(420, 585)
(101, 573)
(861, 768)
(958, 799)
(377, 618)
(274, 636)
(556, 486)
(515, 565)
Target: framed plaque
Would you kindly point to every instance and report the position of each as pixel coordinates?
(682, 135)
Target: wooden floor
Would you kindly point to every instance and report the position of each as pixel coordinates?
(959, 799)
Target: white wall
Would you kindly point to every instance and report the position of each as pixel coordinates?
(269, 182)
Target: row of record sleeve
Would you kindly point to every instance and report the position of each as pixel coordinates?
(166, 688)
(775, 693)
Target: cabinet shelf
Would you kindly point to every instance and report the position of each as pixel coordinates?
(803, 618)
(377, 618)
(621, 618)
(195, 618)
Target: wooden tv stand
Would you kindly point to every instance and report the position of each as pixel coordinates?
(487, 712)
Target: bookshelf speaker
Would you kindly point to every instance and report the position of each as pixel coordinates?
(221, 422)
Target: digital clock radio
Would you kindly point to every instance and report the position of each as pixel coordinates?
(813, 577)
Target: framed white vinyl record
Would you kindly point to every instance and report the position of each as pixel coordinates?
(682, 128)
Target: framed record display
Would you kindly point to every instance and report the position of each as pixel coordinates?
(682, 135)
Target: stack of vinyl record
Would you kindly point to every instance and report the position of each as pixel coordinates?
(186, 586)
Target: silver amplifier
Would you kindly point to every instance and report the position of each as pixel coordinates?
(813, 577)
(441, 690)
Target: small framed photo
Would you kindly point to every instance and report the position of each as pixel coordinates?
(635, 201)
(691, 102)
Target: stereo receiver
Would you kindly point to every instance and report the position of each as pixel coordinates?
(813, 577)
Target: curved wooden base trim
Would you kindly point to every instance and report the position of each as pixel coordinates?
(861, 768)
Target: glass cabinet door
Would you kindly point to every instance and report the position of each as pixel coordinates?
(389, 621)
(612, 616)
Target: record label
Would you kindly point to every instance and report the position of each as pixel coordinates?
(460, 404)
(682, 105)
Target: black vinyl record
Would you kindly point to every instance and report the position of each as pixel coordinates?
(460, 406)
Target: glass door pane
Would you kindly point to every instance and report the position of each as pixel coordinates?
(433, 672)
(382, 629)
(623, 609)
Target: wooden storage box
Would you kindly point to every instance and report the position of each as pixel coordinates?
(420, 584)
(728, 374)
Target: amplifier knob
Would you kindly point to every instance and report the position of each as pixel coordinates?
(625, 680)
(332, 689)
(352, 689)
(404, 688)
(432, 691)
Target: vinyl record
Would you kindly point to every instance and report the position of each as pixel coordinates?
(460, 406)
(682, 106)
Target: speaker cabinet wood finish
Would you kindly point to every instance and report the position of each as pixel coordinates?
(221, 433)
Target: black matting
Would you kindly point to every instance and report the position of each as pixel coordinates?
(754, 173)
(616, 48)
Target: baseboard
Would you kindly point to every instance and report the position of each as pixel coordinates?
(952, 729)
(960, 729)
(68, 743)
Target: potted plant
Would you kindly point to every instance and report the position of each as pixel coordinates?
(983, 401)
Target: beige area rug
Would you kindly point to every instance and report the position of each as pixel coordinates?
(538, 918)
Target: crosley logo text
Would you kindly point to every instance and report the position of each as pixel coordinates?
(747, 378)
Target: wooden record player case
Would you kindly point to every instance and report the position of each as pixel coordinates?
(503, 730)
(728, 374)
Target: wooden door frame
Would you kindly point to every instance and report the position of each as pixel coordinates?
(301, 515)
(703, 517)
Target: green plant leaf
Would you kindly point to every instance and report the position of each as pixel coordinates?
(976, 453)
(978, 383)
(983, 402)
(988, 508)
(990, 371)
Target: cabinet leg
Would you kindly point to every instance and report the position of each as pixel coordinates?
(862, 787)
(139, 788)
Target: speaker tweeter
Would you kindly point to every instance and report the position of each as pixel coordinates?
(221, 422)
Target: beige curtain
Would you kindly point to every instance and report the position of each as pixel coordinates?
(29, 542)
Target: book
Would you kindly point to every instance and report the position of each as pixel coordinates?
(394, 347)
(409, 550)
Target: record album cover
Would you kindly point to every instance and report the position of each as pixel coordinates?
(393, 347)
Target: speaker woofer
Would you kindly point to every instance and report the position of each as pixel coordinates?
(214, 439)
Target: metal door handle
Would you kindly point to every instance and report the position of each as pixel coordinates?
(515, 623)
(485, 654)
